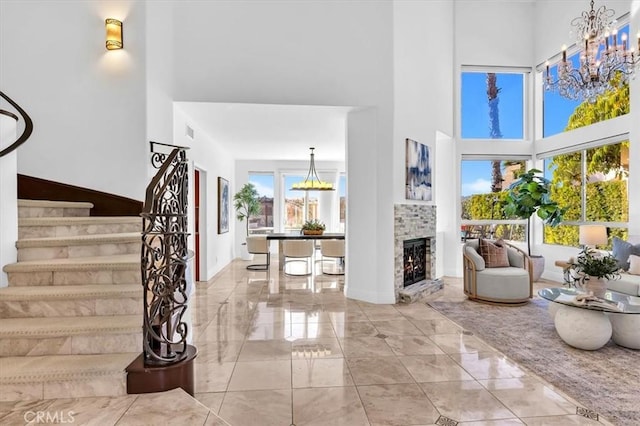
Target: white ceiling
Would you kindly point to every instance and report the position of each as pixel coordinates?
(272, 132)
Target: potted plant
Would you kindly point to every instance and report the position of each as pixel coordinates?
(592, 269)
(247, 204)
(528, 195)
(313, 227)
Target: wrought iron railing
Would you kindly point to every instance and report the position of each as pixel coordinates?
(164, 261)
(28, 125)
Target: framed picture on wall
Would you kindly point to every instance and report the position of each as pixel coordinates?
(419, 172)
(223, 205)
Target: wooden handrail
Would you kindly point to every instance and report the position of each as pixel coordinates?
(28, 125)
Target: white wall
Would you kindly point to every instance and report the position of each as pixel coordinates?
(8, 195)
(85, 101)
(423, 104)
(159, 71)
(211, 157)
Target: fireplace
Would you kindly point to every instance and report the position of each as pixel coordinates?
(416, 252)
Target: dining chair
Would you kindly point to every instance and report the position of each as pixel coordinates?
(334, 249)
(258, 244)
(298, 250)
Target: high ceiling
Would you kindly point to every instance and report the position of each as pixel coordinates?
(272, 132)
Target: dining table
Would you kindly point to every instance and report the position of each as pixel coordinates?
(283, 236)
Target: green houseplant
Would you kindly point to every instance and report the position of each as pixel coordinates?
(246, 203)
(313, 227)
(593, 268)
(529, 195)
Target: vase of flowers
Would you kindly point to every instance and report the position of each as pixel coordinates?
(594, 269)
(313, 227)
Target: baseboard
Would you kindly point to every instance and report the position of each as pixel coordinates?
(105, 204)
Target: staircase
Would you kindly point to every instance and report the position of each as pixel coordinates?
(71, 317)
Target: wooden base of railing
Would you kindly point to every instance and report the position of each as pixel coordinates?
(141, 379)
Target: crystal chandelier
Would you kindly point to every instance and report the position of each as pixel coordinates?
(312, 182)
(605, 62)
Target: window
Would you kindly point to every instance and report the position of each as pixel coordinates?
(561, 114)
(483, 196)
(492, 105)
(592, 184)
(342, 194)
(294, 204)
(262, 223)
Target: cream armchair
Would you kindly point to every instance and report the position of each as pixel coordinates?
(512, 285)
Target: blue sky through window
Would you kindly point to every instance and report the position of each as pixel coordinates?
(475, 106)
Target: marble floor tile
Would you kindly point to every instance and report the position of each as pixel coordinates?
(176, 404)
(362, 347)
(430, 327)
(264, 407)
(502, 422)
(96, 411)
(261, 375)
(318, 372)
(465, 401)
(218, 352)
(528, 397)
(569, 420)
(460, 343)
(213, 377)
(347, 316)
(354, 329)
(397, 405)
(434, 368)
(339, 406)
(488, 365)
(413, 345)
(316, 348)
(396, 327)
(377, 371)
(211, 400)
(261, 350)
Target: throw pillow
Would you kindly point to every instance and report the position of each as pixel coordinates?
(634, 264)
(622, 250)
(494, 254)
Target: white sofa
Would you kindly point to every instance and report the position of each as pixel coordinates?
(628, 284)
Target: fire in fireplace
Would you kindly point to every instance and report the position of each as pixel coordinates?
(415, 256)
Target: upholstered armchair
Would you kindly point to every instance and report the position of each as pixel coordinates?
(510, 284)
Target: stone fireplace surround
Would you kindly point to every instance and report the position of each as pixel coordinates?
(414, 221)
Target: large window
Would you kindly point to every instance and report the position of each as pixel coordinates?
(561, 114)
(342, 195)
(592, 184)
(483, 196)
(263, 222)
(492, 105)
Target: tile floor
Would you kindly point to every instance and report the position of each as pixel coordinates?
(281, 350)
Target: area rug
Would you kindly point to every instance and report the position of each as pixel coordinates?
(606, 381)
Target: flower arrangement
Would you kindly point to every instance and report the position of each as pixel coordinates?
(591, 263)
(313, 227)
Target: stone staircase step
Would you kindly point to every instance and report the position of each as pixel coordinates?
(78, 246)
(39, 227)
(71, 301)
(64, 376)
(115, 269)
(46, 208)
(70, 335)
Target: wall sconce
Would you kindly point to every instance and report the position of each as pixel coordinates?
(114, 34)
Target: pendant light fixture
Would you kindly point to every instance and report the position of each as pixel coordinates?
(312, 182)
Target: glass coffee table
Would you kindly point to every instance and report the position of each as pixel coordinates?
(590, 326)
